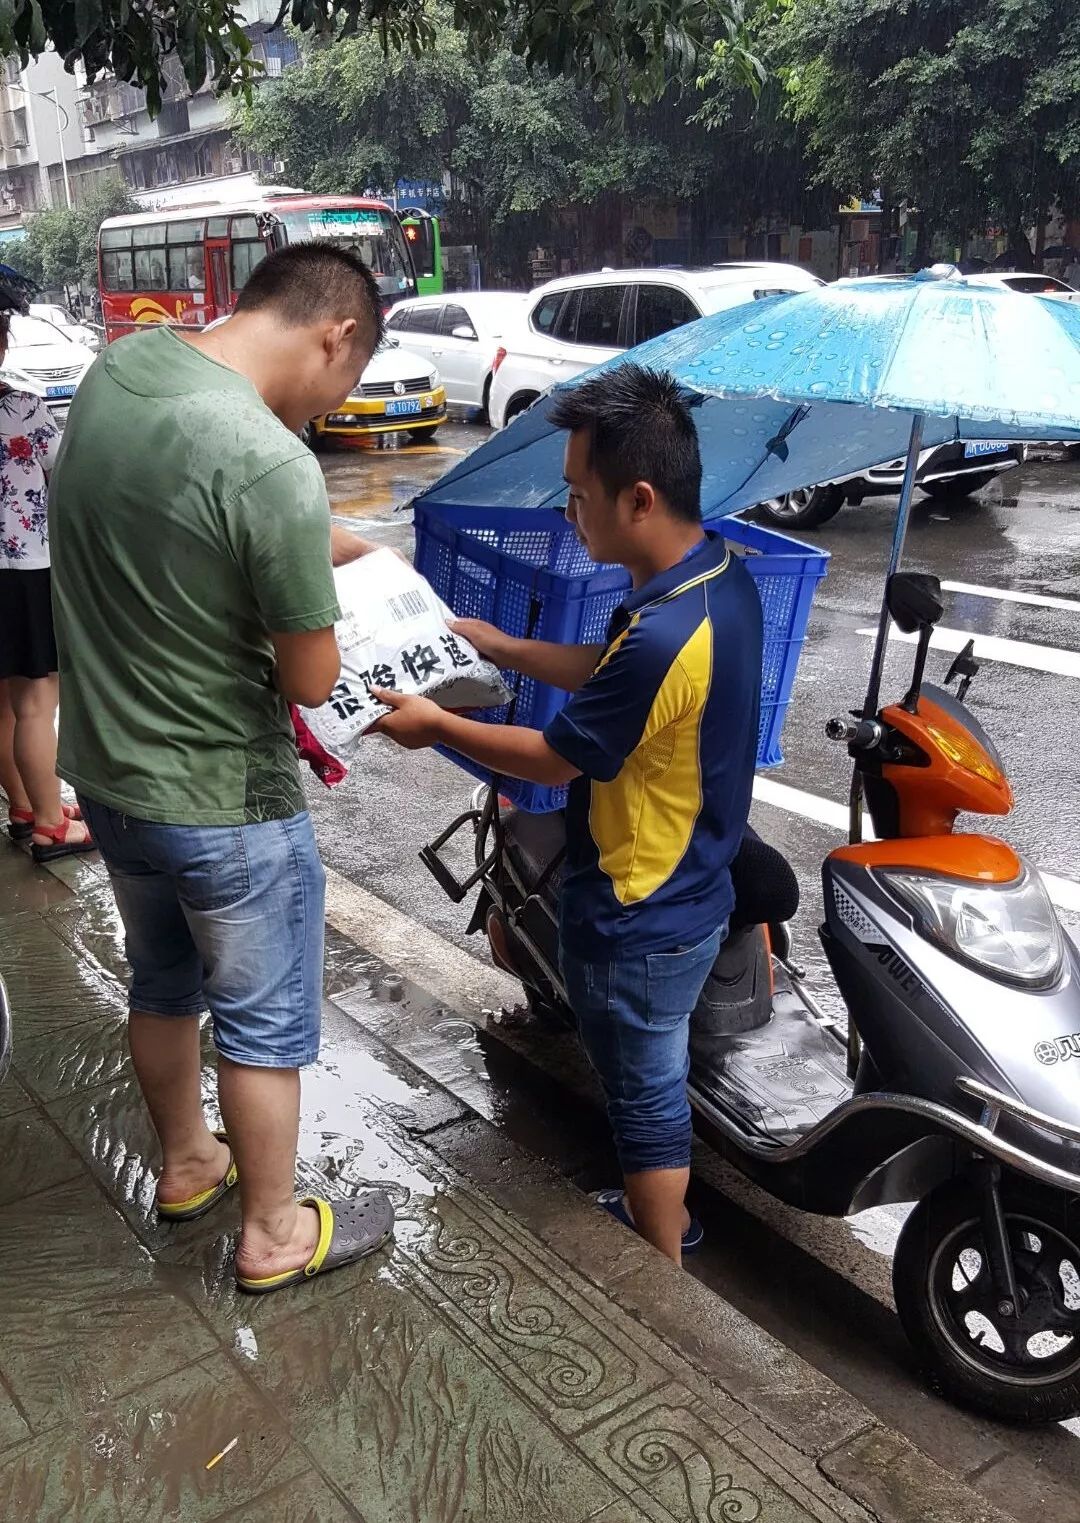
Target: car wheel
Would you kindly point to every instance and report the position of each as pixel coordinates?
(423, 435)
(310, 436)
(806, 508)
(958, 486)
(520, 404)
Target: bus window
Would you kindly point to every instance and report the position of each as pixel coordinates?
(185, 232)
(372, 232)
(149, 241)
(245, 258)
(187, 268)
(116, 272)
(150, 270)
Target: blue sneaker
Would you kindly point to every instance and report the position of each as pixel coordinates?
(614, 1203)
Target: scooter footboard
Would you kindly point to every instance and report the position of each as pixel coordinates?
(873, 1150)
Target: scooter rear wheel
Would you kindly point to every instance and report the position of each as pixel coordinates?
(1025, 1367)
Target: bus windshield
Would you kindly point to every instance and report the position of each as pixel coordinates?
(373, 234)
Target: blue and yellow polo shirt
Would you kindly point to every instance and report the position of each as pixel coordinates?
(665, 736)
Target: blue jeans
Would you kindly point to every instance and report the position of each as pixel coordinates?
(633, 1014)
(225, 917)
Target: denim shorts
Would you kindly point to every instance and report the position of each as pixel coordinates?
(227, 918)
(633, 1013)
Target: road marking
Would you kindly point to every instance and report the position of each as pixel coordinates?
(1035, 599)
(811, 806)
(1039, 658)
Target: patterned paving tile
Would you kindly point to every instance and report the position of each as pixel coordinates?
(32, 1158)
(143, 1456)
(86, 1314)
(673, 1452)
(305, 1499)
(13, 1428)
(13, 1096)
(90, 924)
(412, 1421)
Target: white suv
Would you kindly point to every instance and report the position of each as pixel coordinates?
(578, 321)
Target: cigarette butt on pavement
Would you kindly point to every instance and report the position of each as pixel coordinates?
(219, 1457)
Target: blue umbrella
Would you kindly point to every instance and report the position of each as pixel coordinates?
(822, 384)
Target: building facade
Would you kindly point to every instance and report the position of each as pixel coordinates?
(59, 136)
(189, 142)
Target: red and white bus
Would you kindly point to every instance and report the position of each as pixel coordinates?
(186, 266)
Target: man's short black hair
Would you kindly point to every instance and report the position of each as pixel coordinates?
(640, 429)
(311, 282)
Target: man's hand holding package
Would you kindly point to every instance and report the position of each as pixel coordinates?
(415, 723)
(509, 750)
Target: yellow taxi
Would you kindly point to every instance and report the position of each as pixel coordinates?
(399, 392)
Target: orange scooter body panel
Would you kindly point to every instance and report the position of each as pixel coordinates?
(960, 775)
(978, 859)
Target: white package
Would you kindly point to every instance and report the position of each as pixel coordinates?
(394, 633)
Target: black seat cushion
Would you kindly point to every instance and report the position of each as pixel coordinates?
(766, 889)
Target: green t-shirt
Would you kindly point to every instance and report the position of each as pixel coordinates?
(186, 523)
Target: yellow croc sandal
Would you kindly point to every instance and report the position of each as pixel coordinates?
(198, 1205)
(348, 1230)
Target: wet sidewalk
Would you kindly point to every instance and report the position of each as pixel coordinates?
(514, 1355)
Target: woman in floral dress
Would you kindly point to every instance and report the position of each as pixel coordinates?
(28, 662)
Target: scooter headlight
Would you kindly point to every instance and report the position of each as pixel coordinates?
(1009, 930)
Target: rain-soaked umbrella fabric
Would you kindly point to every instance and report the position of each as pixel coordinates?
(823, 384)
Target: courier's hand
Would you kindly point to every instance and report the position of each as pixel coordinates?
(488, 640)
(345, 546)
(415, 722)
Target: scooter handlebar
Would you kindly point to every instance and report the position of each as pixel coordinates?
(863, 734)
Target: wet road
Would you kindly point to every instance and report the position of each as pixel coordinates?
(823, 1287)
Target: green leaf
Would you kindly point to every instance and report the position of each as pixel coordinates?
(88, 17)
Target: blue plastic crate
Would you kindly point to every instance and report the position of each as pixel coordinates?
(524, 570)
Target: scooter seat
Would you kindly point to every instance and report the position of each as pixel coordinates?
(766, 889)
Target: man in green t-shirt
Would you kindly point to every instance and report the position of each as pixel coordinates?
(194, 599)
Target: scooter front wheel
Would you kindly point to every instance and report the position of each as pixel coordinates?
(1021, 1363)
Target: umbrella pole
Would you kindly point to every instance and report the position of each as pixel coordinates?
(900, 528)
(877, 665)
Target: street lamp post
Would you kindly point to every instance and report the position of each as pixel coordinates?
(60, 129)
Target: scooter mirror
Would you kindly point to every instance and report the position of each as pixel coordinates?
(914, 600)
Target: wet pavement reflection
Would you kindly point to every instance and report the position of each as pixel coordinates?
(468, 1371)
(369, 481)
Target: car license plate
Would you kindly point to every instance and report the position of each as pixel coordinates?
(59, 391)
(973, 451)
(402, 409)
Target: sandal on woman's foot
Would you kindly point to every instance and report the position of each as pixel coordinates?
(20, 825)
(59, 845)
(198, 1205)
(21, 821)
(348, 1230)
(614, 1203)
